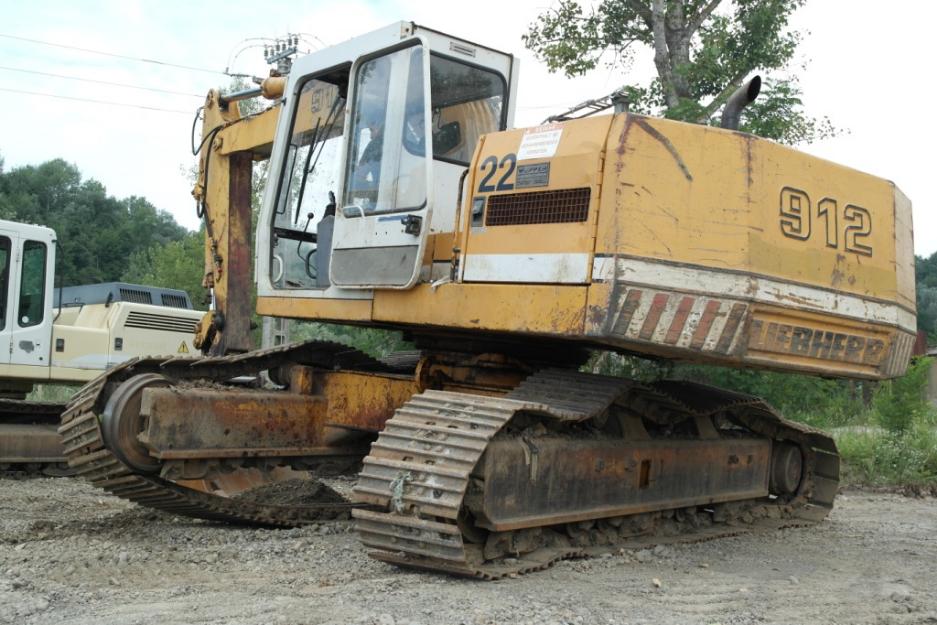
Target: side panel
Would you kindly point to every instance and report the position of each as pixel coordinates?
(706, 197)
(534, 196)
(529, 309)
(716, 245)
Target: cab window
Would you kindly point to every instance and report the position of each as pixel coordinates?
(304, 213)
(32, 284)
(387, 155)
(4, 279)
(467, 102)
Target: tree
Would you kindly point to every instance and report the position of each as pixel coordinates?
(926, 276)
(174, 264)
(97, 233)
(701, 55)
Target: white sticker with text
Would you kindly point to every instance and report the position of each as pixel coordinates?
(540, 142)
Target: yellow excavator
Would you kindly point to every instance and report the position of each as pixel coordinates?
(67, 336)
(399, 197)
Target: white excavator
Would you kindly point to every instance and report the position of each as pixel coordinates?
(68, 336)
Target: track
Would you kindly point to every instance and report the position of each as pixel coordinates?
(89, 456)
(29, 442)
(412, 493)
(420, 471)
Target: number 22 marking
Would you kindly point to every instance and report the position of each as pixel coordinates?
(491, 163)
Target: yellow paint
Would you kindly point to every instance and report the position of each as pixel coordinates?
(315, 308)
(441, 245)
(363, 400)
(663, 191)
(254, 134)
(576, 164)
(534, 309)
(713, 198)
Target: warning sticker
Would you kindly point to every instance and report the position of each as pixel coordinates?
(540, 142)
(183, 348)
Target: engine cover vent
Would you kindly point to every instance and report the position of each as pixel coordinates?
(175, 301)
(137, 296)
(538, 207)
(166, 323)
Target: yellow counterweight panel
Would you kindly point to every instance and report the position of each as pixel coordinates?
(714, 245)
(713, 198)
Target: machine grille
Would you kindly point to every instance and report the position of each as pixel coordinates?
(135, 295)
(538, 207)
(167, 323)
(175, 301)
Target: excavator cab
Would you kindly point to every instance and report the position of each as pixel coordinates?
(27, 262)
(373, 141)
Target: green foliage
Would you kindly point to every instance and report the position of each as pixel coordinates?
(901, 403)
(96, 232)
(925, 270)
(374, 341)
(819, 402)
(59, 393)
(701, 56)
(883, 458)
(893, 443)
(175, 264)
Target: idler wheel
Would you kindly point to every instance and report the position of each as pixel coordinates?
(122, 422)
(787, 469)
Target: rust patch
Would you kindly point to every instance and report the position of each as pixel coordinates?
(598, 315)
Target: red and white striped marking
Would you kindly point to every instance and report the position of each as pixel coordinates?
(678, 320)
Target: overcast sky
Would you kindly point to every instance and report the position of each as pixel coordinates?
(867, 69)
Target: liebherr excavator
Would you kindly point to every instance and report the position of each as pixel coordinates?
(399, 198)
(67, 336)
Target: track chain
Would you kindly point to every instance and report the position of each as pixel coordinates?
(420, 467)
(89, 456)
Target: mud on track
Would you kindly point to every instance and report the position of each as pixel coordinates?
(70, 555)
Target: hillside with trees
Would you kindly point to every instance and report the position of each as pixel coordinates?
(97, 233)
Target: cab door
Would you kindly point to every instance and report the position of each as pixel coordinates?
(386, 204)
(31, 302)
(7, 245)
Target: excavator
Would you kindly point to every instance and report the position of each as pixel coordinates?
(400, 197)
(67, 336)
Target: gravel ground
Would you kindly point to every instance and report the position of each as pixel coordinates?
(71, 555)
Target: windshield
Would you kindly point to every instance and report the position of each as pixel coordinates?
(311, 172)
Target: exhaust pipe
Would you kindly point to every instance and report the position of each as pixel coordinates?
(743, 96)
